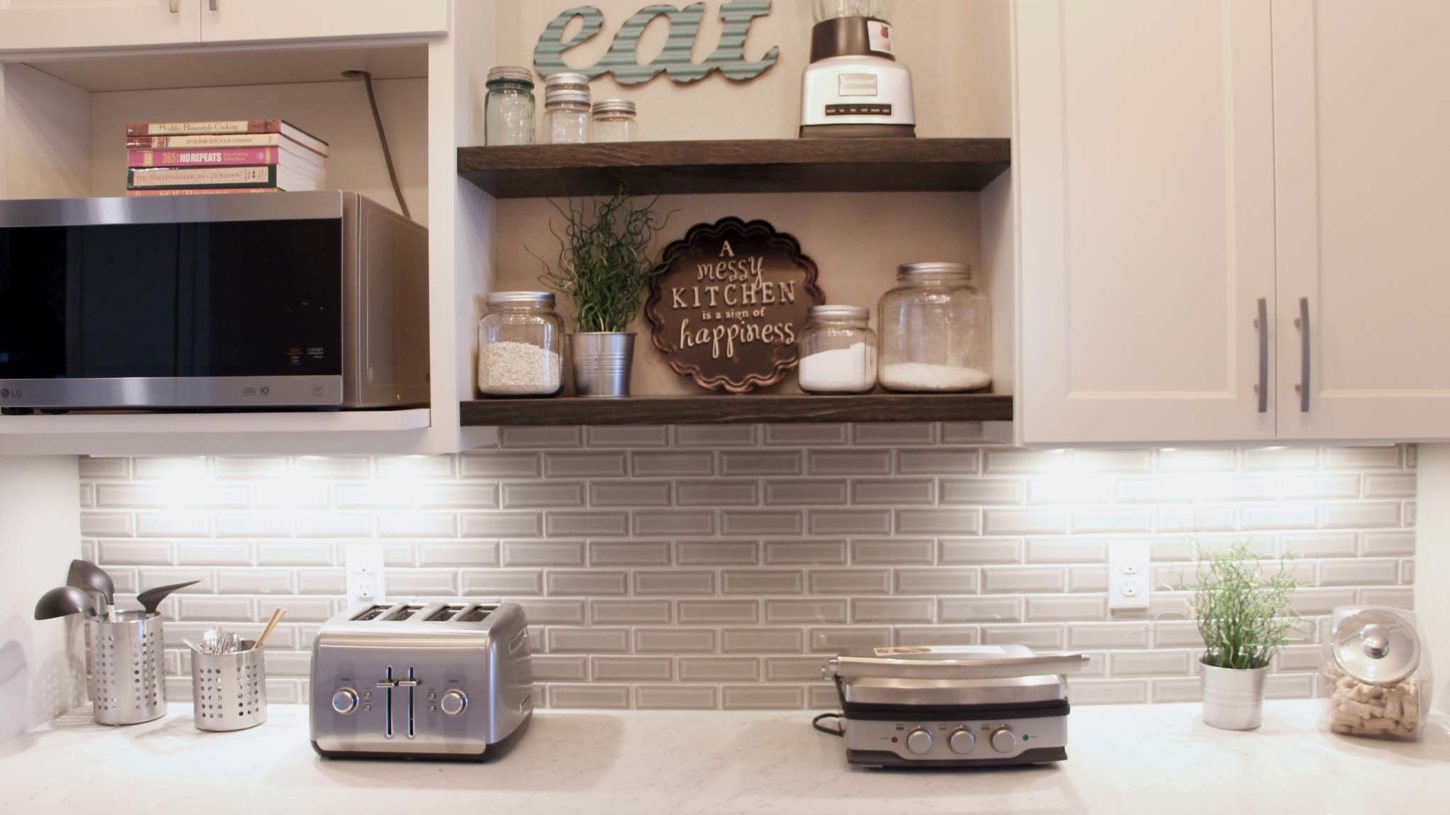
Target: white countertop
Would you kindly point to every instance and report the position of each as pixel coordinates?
(1123, 760)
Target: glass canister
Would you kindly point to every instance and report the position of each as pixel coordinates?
(615, 120)
(936, 331)
(1377, 677)
(837, 351)
(520, 345)
(509, 107)
(566, 116)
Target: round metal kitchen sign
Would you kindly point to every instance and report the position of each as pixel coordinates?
(728, 303)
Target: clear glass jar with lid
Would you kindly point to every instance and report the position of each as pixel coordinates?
(1376, 676)
(615, 120)
(520, 345)
(566, 109)
(509, 106)
(837, 351)
(936, 331)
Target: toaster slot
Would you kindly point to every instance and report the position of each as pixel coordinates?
(402, 613)
(476, 614)
(370, 614)
(446, 613)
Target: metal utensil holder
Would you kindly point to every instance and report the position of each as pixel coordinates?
(229, 691)
(127, 680)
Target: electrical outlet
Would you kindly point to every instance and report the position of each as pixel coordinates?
(365, 576)
(1130, 574)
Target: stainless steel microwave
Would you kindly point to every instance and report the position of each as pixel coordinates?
(243, 301)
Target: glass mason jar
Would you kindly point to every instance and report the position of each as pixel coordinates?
(936, 331)
(614, 121)
(837, 351)
(509, 107)
(566, 117)
(520, 345)
(1376, 676)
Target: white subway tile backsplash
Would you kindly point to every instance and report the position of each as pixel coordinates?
(709, 567)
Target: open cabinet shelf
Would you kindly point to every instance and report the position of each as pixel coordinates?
(760, 165)
(871, 407)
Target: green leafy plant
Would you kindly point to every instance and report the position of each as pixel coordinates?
(604, 261)
(1242, 607)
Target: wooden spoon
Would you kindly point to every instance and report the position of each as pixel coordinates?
(277, 616)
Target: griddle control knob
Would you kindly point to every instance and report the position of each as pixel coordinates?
(918, 742)
(453, 702)
(1004, 740)
(345, 701)
(962, 741)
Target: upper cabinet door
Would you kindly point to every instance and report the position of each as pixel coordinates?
(41, 25)
(264, 20)
(1362, 123)
(1144, 147)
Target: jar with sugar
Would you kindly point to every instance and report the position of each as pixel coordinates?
(936, 331)
(837, 351)
(520, 345)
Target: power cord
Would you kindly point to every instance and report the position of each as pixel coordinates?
(367, 79)
(838, 730)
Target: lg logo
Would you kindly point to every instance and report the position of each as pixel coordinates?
(6, 393)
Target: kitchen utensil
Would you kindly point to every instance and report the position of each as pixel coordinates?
(127, 680)
(229, 690)
(151, 598)
(86, 575)
(953, 706)
(211, 641)
(442, 681)
(277, 615)
(62, 601)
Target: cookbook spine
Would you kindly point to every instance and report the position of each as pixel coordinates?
(221, 126)
(233, 157)
(210, 177)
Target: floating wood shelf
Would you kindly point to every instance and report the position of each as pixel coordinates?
(872, 407)
(766, 165)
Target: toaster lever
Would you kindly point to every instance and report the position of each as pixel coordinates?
(410, 683)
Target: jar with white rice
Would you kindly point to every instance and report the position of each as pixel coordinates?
(521, 345)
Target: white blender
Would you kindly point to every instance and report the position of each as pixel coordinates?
(854, 86)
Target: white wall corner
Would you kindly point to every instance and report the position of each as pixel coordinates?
(1432, 562)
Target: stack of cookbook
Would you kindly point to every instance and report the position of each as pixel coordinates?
(200, 158)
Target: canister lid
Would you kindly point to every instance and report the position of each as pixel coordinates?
(565, 96)
(838, 313)
(1377, 646)
(511, 73)
(521, 298)
(933, 268)
(568, 80)
(615, 106)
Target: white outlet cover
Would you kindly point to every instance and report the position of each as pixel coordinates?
(366, 581)
(1130, 575)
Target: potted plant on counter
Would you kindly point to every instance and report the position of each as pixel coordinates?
(1242, 607)
(604, 267)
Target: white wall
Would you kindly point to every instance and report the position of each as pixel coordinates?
(46, 144)
(39, 535)
(1432, 562)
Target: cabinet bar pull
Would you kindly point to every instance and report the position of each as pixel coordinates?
(1262, 324)
(1302, 323)
(212, 4)
(175, 6)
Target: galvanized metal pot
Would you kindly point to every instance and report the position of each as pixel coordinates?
(1233, 699)
(602, 362)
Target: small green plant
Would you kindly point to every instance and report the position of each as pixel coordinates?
(1243, 611)
(604, 260)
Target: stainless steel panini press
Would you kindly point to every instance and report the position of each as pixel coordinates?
(957, 706)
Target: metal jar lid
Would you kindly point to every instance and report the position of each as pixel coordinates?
(1377, 646)
(615, 106)
(838, 313)
(569, 80)
(511, 73)
(521, 298)
(565, 96)
(933, 268)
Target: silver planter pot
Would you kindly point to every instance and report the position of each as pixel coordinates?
(602, 363)
(1233, 699)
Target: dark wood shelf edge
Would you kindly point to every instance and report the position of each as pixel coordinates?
(650, 410)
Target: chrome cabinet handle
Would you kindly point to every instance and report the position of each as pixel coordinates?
(175, 6)
(1302, 323)
(1262, 324)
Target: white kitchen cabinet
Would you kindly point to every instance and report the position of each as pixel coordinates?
(235, 21)
(1144, 154)
(42, 25)
(1362, 127)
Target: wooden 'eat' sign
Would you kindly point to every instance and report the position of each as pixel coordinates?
(728, 303)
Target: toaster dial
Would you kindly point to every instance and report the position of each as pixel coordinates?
(453, 703)
(345, 701)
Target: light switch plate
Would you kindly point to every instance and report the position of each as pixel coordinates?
(1130, 580)
(365, 577)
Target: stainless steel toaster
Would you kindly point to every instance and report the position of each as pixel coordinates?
(415, 680)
